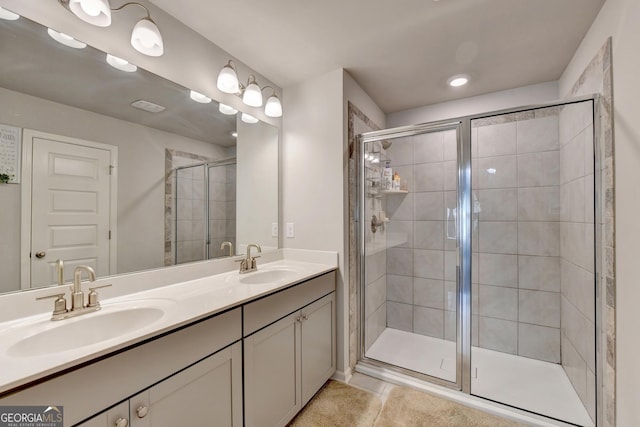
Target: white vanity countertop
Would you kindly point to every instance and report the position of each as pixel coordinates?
(182, 303)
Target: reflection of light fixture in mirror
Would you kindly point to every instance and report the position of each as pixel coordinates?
(226, 109)
(251, 93)
(234, 134)
(248, 118)
(145, 37)
(9, 16)
(120, 64)
(199, 97)
(65, 39)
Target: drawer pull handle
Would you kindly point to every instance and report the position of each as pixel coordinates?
(142, 411)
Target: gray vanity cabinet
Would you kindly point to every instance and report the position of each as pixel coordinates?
(205, 394)
(287, 359)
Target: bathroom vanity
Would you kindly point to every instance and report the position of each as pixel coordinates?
(229, 350)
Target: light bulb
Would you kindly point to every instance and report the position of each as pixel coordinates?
(252, 94)
(9, 16)
(273, 107)
(458, 80)
(90, 7)
(228, 79)
(120, 64)
(146, 38)
(65, 39)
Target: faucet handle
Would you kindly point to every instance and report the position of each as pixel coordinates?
(93, 296)
(59, 305)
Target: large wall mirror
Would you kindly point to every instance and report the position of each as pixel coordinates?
(118, 168)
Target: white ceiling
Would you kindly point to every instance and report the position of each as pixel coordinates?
(400, 51)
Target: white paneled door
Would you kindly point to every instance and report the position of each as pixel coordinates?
(70, 207)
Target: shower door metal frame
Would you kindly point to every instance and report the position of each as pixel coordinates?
(465, 204)
(463, 269)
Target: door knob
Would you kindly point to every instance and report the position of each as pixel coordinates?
(40, 254)
(122, 422)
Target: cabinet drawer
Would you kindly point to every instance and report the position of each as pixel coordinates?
(265, 311)
(94, 387)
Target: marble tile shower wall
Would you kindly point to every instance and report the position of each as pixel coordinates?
(577, 250)
(516, 177)
(421, 259)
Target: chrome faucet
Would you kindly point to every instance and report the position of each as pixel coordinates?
(77, 296)
(78, 307)
(248, 264)
(60, 271)
(230, 245)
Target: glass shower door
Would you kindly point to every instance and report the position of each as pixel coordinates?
(409, 227)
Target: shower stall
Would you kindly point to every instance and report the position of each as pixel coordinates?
(205, 210)
(477, 262)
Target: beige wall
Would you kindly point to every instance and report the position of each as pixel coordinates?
(619, 19)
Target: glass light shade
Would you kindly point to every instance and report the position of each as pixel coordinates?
(9, 16)
(94, 12)
(120, 64)
(273, 107)
(228, 80)
(252, 95)
(226, 109)
(248, 118)
(199, 97)
(66, 40)
(146, 38)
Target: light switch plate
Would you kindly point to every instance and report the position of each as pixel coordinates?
(274, 229)
(291, 231)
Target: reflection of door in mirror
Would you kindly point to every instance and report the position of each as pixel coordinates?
(71, 205)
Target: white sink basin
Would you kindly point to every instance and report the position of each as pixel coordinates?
(58, 336)
(269, 276)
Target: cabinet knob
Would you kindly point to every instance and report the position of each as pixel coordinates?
(142, 411)
(122, 422)
(41, 254)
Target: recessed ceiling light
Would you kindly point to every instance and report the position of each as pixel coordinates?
(458, 80)
(9, 16)
(65, 39)
(141, 104)
(199, 97)
(120, 64)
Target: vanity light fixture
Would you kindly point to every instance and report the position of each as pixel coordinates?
(251, 93)
(458, 80)
(66, 40)
(120, 64)
(8, 15)
(145, 37)
(226, 109)
(199, 97)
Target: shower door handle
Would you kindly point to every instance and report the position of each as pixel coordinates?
(452, 212)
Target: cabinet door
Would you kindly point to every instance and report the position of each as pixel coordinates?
(318, 345)
(110, 418)
(272, 372)
(205, 394)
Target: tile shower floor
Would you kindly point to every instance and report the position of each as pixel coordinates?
(525, 383)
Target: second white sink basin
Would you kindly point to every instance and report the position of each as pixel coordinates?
(84, 330)
(269, 276)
